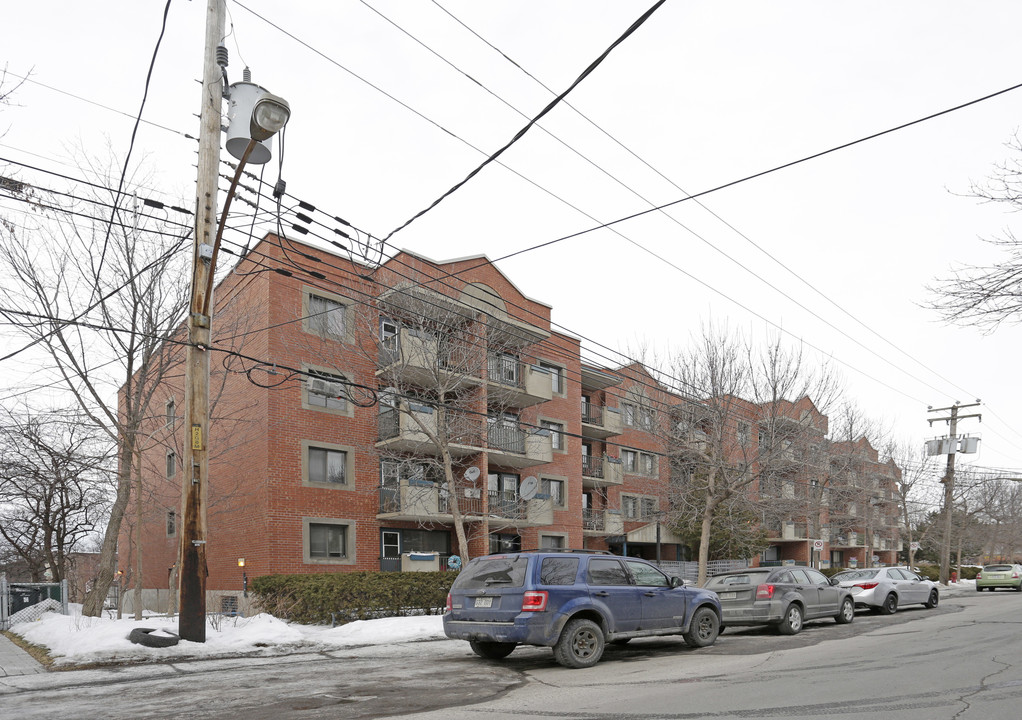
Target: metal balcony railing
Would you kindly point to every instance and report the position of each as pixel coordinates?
(592, 466)
(593, 519)
(506, 504)
(506, 370)
(592, 414)
(506, 437)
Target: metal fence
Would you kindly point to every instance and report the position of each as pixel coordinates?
(25, 602)
(689, 570)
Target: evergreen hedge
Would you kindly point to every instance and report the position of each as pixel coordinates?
(342, 597)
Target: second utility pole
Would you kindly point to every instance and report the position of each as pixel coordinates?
(949, 483)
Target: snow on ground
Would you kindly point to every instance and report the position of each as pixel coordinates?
(76, 639)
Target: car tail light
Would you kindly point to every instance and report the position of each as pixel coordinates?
(450, 605)
(979, 575)
(1014, 574)
(764, 592)
(534, 600)
(866, 585)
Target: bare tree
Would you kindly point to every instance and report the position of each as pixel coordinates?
(987, 296)
(453, 374)
(53, 475)
(97, 297)
(917, 490)
(740, 435)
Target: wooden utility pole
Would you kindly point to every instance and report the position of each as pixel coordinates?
(949, 482)
(192, 569)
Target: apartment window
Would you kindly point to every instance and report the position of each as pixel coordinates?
(171, 414)
(551, 542)
(556, 377)
(327, 466)
(629, 459)
(743, 434)
(327, 540)
(505, 542)
(555, 489)
(171, 463)
(171, 523)
(324, 390)
(648, 464)
(645, 418)
(556, 433)
(628, 414)
(636, 507)
(325, 317)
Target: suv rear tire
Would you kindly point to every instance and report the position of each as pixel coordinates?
(704, 628)
(492, 650)
(580, 644)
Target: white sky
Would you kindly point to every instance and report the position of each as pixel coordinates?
(705, 92)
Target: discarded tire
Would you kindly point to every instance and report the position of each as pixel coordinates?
(144, 636)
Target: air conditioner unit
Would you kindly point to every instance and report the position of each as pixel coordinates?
(319, 386)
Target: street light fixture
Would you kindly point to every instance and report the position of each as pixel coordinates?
(244, 577)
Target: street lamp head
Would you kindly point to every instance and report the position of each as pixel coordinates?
(241, 562)
(269, 116)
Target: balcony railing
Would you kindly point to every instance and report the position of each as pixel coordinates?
(592, 414)
(506, 370)
(506, 437)
(506, 504)
(592, 466)
(593, 519)
(423, 499)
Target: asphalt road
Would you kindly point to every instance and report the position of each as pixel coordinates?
(962, 660)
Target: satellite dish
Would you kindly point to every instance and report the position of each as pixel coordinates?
(472, 473)
(529, 488)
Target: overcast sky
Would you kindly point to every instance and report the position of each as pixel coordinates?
(394, 102)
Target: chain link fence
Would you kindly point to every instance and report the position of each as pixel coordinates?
(27, 601)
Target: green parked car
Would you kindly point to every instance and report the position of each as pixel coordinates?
(992, 577)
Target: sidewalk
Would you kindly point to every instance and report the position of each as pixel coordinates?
(15, 661)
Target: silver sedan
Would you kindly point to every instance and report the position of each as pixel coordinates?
(885, 589)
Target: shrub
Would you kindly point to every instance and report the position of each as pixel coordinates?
(342, 597)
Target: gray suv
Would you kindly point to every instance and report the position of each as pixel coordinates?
(575, 602)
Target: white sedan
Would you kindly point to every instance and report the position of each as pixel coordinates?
(884, 589)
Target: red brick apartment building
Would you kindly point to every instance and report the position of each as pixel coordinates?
(345, 395)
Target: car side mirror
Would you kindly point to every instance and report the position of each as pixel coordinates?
(833, 581)
(677, 581)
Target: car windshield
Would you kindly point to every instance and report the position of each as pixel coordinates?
(998, 568)
(855, 574)
(748, 578)
(489, 572)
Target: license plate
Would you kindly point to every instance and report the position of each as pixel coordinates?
(728, 595)
(484, 602)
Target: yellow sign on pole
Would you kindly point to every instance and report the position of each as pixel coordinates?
(196, 437)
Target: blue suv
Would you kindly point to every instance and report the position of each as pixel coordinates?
(575, 602)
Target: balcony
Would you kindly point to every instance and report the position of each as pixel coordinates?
(510, 506)
(846, 540)
(599, 421)
(598, 471)
(419, 500)
(601, 522)
(400, 430)
(516, 383)
(417, 358)
(511, 446)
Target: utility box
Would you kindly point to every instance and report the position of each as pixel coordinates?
(420, 562)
